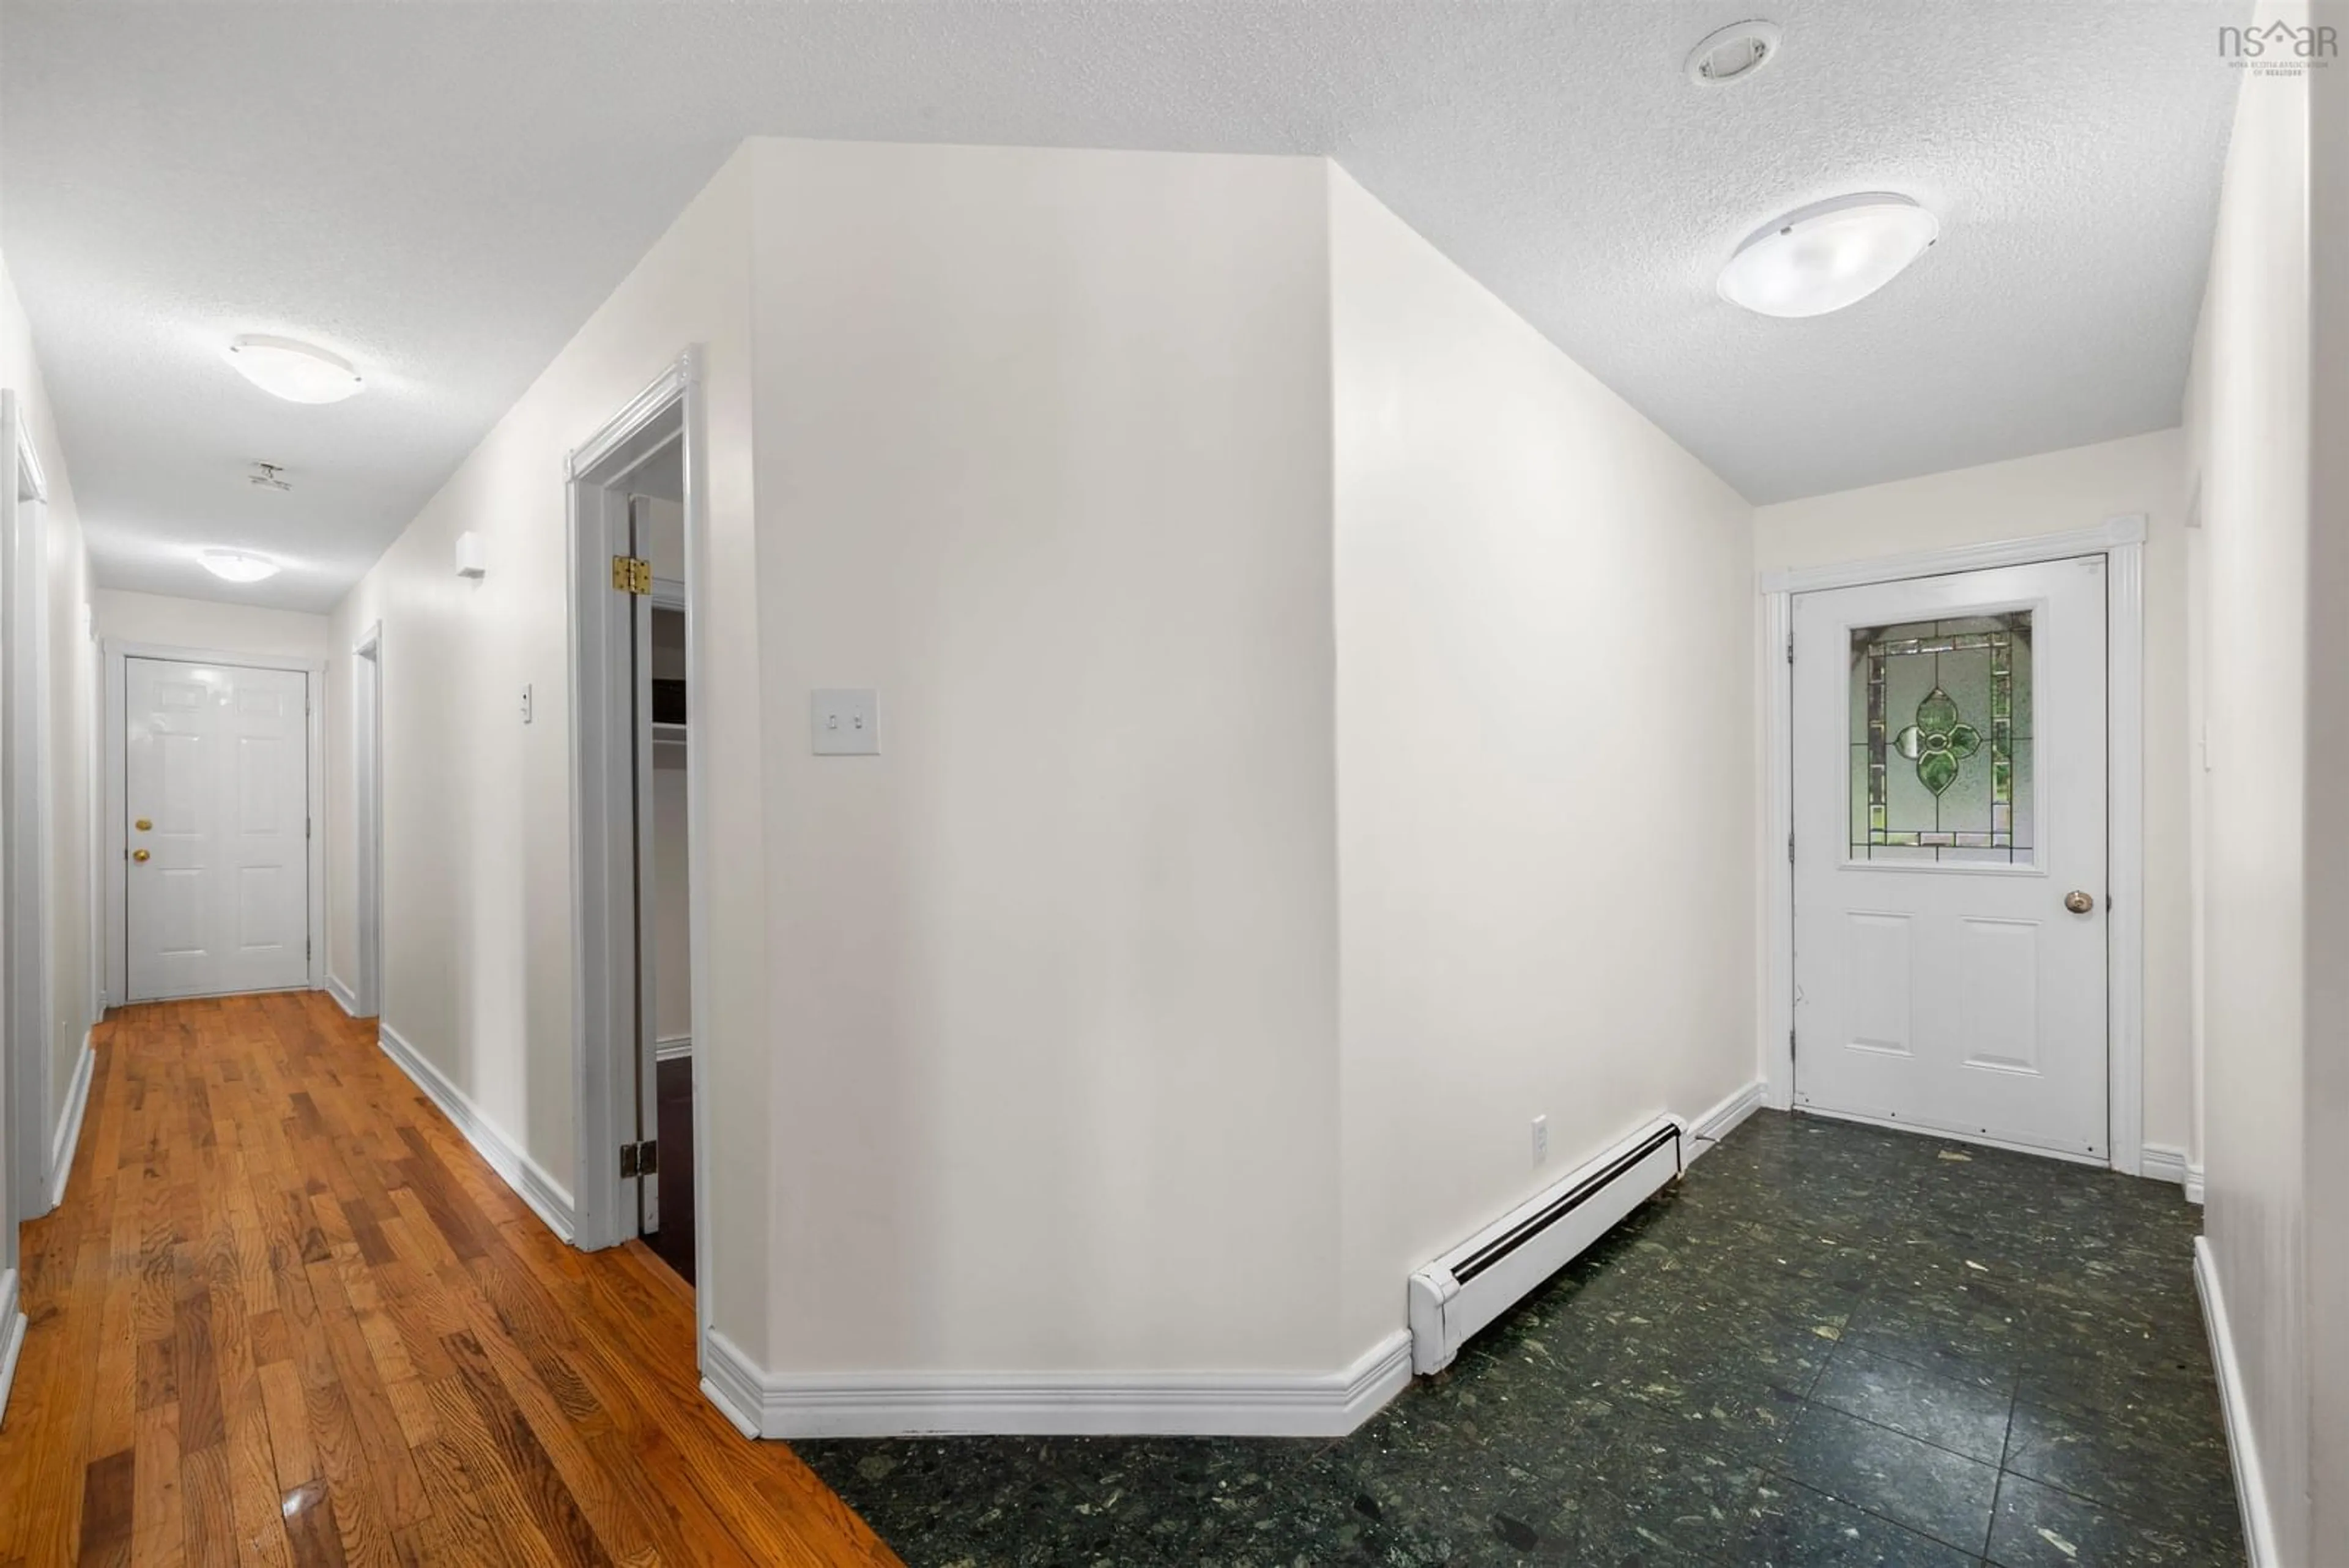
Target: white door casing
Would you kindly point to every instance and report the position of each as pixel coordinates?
(1939, 980)
(611, 1011)
(216, 764)
(367, 782)
(24, 787)
(639, 610)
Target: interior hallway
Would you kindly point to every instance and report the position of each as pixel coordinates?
(287, 1315)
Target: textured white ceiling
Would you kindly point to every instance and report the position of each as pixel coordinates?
(445, 192)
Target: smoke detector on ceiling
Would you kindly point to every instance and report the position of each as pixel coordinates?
(1731, 55)
(267, 476)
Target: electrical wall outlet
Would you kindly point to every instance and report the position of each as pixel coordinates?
(1541, 1139)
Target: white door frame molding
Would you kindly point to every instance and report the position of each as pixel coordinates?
(2121, 540)
(118, 850)
(24, 921)
(602, 767)
(366, 815)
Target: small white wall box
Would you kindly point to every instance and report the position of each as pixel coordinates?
(472, 554)
(843, 724)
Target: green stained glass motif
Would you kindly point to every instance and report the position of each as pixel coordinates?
(1941, 741)
(1938, 742)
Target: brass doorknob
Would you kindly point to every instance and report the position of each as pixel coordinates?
(2078, 902)
(143, 824)
(138, 855)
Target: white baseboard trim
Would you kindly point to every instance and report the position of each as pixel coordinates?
(2166, 1162)
(345, 997)
(2242, 1442)
(1722, 1120)
(531, 1184)
(1039, 1404)
(12, 1337)
(670, 1047)
(730, 1382)
(68, 1133)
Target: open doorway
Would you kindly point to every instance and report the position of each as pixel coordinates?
(664, 843)
(633, 495)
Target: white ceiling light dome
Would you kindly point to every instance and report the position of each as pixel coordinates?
(1734, 54)
(298, 372)
(1829, 254)
(238, 566)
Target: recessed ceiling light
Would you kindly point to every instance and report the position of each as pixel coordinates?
(1733, 54)
(1829, 254)
(238, 566)
(298, 372)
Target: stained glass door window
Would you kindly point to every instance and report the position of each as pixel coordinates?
(1941, 741)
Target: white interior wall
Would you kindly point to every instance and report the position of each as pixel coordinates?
(1044, 459)
(2248, 414)
(2326, 1105)
(209, 625)
(2053, 492)
(1544, 613)
(668, 549)
(479, 972)
(73, 686)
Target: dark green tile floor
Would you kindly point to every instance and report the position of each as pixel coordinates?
(1827, 1344)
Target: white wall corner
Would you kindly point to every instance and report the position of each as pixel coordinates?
(545, 1196)
(2234, 1400)
(1206, 1403)
(1777, 947)
(345, 997)
(2167, 1162)
(731, 1382)
(1722, 1120)
(69, 1119)
(12, 1336)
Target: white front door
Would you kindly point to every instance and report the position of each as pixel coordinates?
(217, 794)
(1950, 761)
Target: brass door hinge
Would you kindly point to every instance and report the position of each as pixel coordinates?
(631, 574)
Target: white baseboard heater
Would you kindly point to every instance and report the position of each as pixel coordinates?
(1483, 1277)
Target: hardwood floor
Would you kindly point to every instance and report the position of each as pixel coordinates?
(285, 1315)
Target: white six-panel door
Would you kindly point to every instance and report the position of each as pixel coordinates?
(1950, 798)
(216, 796)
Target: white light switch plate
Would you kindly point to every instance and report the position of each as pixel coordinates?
(843, 723)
